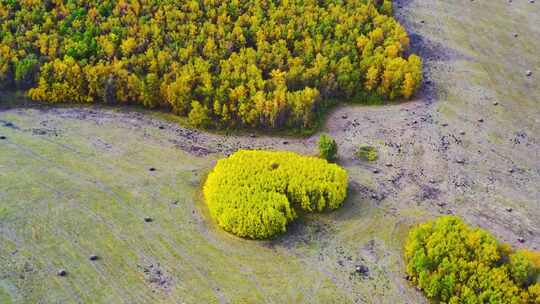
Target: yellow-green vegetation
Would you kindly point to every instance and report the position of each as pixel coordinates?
(223, 63)
(255, 194)
(327, 147)
(455, 263)
(367, 153)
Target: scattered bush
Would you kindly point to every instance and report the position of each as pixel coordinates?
(252, 63)
(454, 263)
(367, 153)
(255, 194)
(327, 147)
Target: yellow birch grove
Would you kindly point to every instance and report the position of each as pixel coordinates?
(258, 63)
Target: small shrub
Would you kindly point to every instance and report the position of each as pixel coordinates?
(454, 263)
(255, 194)
(367, 153)
(327, 147)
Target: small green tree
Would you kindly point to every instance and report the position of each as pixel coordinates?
(327, 147)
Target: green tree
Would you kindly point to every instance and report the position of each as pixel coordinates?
(522, 269)
(26, 71)
(328, 148)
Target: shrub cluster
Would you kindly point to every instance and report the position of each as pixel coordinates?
(454, 263)
(226, 63)
(367, 153)
(255, 194)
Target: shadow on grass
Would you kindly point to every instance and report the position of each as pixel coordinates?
(10, 100)
(321, 227)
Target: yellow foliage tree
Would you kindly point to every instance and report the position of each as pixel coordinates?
(454, 263)
(170, 53)
(255, 194)
(372, 78)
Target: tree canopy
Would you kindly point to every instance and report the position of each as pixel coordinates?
(454, 263)
(255, 194)
(257, 63)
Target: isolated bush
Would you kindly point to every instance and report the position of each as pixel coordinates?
(454, 263)
(327, 147)
(367, 153)
(255, 194)
(252, 63)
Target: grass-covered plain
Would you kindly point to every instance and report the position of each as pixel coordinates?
(83, 188)
(68, 196)
(77, 182)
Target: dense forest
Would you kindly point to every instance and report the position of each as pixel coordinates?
(259, 63)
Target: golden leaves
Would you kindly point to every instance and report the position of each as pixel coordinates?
(255, 194)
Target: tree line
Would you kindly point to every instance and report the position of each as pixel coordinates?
(258, 63)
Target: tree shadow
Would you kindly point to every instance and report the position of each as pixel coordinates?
(432, 52)
(403, 3)
(321, 227)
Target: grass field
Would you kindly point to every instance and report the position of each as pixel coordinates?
(77, 181)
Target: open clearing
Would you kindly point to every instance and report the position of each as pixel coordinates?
(78, 181)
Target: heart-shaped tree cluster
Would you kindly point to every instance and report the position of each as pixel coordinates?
(255, 194)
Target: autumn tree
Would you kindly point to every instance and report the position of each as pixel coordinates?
(452, 262)
(246, 63)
